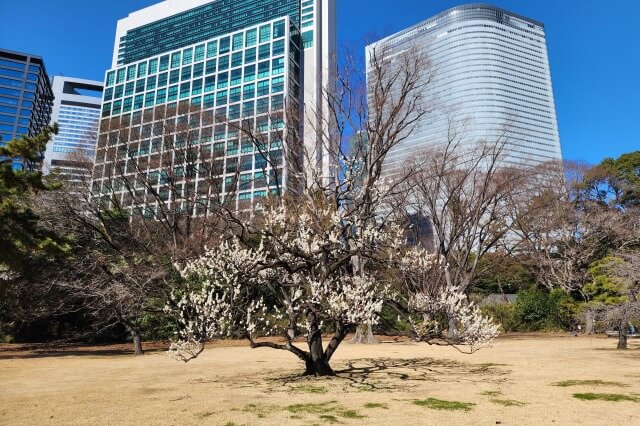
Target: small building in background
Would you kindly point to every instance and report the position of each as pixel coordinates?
(76, 109)
(26, 97)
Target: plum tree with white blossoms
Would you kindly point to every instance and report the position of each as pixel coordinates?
(323, 256)
(299, 281)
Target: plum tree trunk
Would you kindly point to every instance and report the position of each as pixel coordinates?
(317, 363)
(137, 342)
(364, 335)
(318, 368)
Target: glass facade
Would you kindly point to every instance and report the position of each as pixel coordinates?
(185, 114)
(76, 109)
(78, 129)
(202, 23)
(25, 95)
(490, 77)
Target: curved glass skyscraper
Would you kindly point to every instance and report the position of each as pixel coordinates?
(490, 79)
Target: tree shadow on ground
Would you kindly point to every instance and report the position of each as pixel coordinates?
(56, 350)
(375, 374)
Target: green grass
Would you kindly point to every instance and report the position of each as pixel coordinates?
(329, 418)
(260, 410)
(319, 408)
(491, 393)
(376, 405)
(568, 383)
(330, 409)
(438, 404)
(350, 414)
(613, 397)
(205, 414)
(308, 389)
(508, 402)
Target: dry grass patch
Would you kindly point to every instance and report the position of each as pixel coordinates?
(372, 405)
(508, 402)
(388, 383)
(569, 383)
(260, 410)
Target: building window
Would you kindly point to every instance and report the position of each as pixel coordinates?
(212, 49)
(111, 78)
(225, 45)
(250, 55)
(187, 56)
(199, 53)
(153, 66)
(237, 41)
(142, 70)
(175, 60)
(198, 70)
(278, 29)
(164, 63)
(251, 37)
(265, 33)
(307, 39)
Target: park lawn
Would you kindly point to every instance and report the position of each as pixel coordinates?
(519, 380)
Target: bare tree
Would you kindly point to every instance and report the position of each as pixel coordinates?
(154, 187)
(464, 190)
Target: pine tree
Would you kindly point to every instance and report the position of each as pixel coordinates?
(22, 238)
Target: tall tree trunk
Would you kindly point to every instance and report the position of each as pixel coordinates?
(453, 326)
(137, 342)
(622, 335)
(588, 322)
(364, 335)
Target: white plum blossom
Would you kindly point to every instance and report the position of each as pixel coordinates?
(475, 329)
(303, 272)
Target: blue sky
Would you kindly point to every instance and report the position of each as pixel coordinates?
(594, 50)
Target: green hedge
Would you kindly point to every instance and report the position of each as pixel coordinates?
(535, 310)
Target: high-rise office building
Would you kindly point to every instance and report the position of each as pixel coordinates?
(490, 79)
(76, 109)
(25, 96)
(232, 63)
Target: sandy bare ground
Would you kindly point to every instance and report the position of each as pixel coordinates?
(510, 383)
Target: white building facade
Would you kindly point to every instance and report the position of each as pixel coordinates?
(490, 80)
(230, 63)
(76, 109)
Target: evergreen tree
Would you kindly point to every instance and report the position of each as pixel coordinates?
(22, 238)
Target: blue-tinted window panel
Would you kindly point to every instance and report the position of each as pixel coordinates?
(12, 73)
(12, 64)
(10, 92)
(204, 22)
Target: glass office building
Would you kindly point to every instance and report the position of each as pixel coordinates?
(25, 96)
(490, 80)
(194, 74)
(76, 109)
